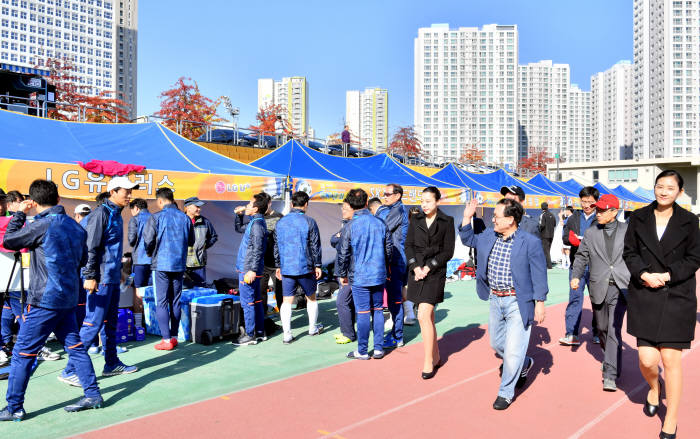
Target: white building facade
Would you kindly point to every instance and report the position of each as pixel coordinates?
(98, 37)
(580, 140)
(366, 114)
(292, 95)
(666, 78)
(612, 117)
(465, 91)
(544, 108)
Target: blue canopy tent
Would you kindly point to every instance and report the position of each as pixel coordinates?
(455, 176)
(645, 193)
(298, 161)
(148, 144)
(571, 185)
(623, 193)
(501, 178)
(542, 182)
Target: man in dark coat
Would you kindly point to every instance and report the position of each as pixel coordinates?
(546, 228)
(572, 235)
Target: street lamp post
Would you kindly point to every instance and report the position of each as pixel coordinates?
(558, 157)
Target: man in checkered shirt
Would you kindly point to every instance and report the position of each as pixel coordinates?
(512, 275)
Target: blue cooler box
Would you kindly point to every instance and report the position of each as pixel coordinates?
(214, 317)
(149, 311)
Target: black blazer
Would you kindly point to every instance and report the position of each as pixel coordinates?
(432, 248)
(666, 314)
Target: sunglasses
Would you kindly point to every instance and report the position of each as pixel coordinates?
(388, 194)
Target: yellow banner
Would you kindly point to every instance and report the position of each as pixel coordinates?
(334, 191)
(75, 182)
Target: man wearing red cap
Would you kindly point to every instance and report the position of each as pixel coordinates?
(601, 251)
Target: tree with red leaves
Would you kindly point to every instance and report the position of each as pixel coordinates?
(536, 161)
(405, 142)
(266, 118)
(74, 101)
(183, 105)
(471, 154)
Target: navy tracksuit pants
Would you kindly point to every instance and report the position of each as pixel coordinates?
(102, 307)
(369, 301)
(253, 312)
(36, 326)
(394, 299)
(11, 312)
(346, 311)
(167, 287)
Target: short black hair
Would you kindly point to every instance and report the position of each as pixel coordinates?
(373, 201)
(433, 190)
(44, 192)
(260, 200)
(268, 197)
(512, 209)
(356, 198)
(570, 209)
(589, 191)
(165, 193)
(396, 188)
(300, 199)
(544, 205)
(666, 173)
(138, 202)
(100, 198)
(14, 197)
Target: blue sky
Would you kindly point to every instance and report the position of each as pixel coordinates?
(226, 45)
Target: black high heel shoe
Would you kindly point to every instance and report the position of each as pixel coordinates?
(664, 435)
(428, 375)
(650, 409)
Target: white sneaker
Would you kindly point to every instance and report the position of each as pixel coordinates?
(45, 354)
(4, 358)
(409, 321)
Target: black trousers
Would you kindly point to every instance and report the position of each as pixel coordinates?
(269, 272)
(608, 316)
(546, 246)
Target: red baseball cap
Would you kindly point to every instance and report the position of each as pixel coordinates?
(607, 201)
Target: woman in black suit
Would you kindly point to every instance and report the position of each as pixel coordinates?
(662, 252)
(430, 243)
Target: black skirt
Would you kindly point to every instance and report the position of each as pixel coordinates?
(429, 290)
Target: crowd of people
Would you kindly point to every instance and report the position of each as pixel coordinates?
(386, 256)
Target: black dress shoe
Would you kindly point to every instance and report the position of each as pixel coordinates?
(428, 375)
(664, 435)
(650, 409)
(501, 403)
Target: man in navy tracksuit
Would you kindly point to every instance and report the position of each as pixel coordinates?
(102, 275)
(395, 215)
(142, 262)
(166, 236)
(250, 264)
(365, 245)
(343, 302)
(58, 250)
(298, 256)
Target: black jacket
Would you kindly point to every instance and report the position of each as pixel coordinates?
(547, 224)
(666, 314)
(430, 248)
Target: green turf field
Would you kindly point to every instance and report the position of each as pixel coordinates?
(194, 372)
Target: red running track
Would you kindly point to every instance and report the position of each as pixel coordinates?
(387, 398)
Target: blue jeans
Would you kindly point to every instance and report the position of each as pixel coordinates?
(35, 329)
(253, 311)
(101, 311)
(307, 282)
(167, 288)
(394, 300)
(11, 312)
(572, 317)
(509, 338)
(369, 300)
(346, 312)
